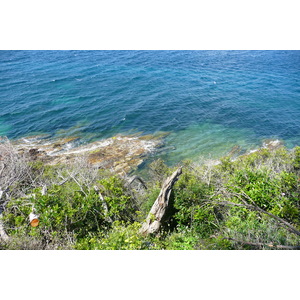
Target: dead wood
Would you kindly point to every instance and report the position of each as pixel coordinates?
(158, 212)
(104, 204)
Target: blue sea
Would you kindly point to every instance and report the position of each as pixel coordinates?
(207, 101)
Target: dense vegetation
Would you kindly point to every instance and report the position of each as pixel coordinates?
(251, 202)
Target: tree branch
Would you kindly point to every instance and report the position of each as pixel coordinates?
(138, 179)
(263, 244)
(280, 220)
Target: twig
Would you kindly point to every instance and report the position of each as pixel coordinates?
(64, 181)
(138, 179)
(73, 177)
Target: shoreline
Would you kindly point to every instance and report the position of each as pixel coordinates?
(121, 153)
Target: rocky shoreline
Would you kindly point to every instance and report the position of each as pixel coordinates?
(120, 153)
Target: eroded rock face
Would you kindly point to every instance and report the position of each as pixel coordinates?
(120, 153)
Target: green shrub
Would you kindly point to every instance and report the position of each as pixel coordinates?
(121, 206)
(296, 160)
(192, 206)
(255, 228)
(69, 209)
(184, 239)
(120, 237)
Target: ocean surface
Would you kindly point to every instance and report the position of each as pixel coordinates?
(207, 101)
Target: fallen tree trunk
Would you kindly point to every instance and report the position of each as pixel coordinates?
(158, 212)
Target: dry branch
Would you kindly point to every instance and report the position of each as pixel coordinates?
(263, 244)
(158, 212)
(142, 182)
(14, 169)
(284, 223)
(104, 204)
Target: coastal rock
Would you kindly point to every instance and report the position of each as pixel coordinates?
(120, 153)
(272, 144)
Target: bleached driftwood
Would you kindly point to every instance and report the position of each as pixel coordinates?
(158, 212)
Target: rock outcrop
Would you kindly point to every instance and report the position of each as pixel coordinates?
(120, 153)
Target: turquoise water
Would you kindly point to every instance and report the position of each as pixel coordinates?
(209, 101)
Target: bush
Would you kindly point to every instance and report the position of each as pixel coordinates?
(67, 209)
(120, 237)
(296, 160)
(192, 206)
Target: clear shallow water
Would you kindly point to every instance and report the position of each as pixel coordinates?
(209, 101)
